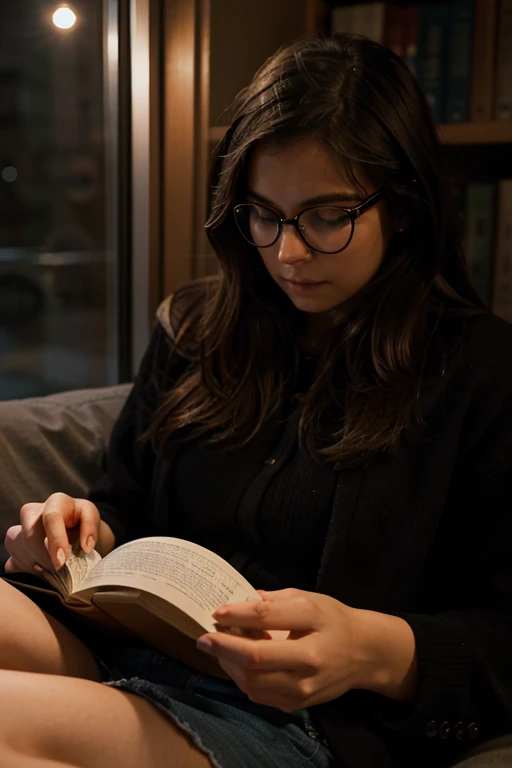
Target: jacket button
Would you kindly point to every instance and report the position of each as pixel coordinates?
(473, 731)
(431, 729)
(445, 730)
(458, 730)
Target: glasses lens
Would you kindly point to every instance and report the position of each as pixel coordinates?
(259, 225)
(326, 229)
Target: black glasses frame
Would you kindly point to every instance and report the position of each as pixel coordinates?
(352, 214)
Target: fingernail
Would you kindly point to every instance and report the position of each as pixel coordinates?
(204, 644)
(37, 568)
(90, 543)
(61, 556)
(221, 611)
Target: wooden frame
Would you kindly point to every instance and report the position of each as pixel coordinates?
(155, 281)
(185, 95)
(492, 132)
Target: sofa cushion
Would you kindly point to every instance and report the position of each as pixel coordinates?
(53, 443)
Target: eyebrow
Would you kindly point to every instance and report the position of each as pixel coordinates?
(339, 197)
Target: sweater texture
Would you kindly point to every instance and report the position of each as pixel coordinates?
(423, 532)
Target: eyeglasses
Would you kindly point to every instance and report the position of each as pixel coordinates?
(324, 228)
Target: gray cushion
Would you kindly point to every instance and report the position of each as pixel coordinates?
(495, 753)
(53, 443)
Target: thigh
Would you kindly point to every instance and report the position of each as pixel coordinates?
(33, 641)
(83, 723)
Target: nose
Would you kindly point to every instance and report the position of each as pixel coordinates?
(292, 248)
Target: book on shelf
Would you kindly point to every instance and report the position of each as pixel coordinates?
(162, 590)
(461, 29)
(483, 80)
(503, 109)
(502, 282)
(432, 56)
(460, 51)
(360, 19)
(411, 22)
(480, 214)
(401, 31)
(394, 29)
(341, 19)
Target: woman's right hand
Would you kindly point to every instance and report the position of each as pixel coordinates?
(43, 538)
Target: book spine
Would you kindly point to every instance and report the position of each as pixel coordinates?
(432, 55)
(368, 20)
(359, 19)
(375, 16)
(461, 35)
(342, 19)
(411, 23)
(394, 29)
(503, 109)
(502, 288)
(483, 84)
(479, 236)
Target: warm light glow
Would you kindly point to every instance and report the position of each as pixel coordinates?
(64, 18)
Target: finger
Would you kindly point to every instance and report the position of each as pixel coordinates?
(32, 541)
(295, 614)
(275, 595)
(16, 545)
(284, 655)
(58, 514)
(11, 535)
(89, 523)
(13, 565)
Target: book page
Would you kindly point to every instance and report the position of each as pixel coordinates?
(79, 564)
(68, 578)
(187, 575)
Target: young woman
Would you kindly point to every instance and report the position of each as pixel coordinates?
(333, 415)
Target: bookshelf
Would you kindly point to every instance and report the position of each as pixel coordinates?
(460, 52)
(489, 132)
(234, 45)
(475, 134)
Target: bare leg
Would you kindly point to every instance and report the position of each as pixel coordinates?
(48, 721)
(33, 641)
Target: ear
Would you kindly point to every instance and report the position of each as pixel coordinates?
(401, 224)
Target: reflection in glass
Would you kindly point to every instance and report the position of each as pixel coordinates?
(57, 257)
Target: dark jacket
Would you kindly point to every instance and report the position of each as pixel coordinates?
(424, 532)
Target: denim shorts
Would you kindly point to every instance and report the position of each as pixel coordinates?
(220, 719)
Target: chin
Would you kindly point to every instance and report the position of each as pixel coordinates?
(314, 305)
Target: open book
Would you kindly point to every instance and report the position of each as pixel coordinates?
(161, 589)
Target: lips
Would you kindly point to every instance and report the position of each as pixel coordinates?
(305, 286)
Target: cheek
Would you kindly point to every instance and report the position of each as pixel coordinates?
(360, 261)
(269, 257)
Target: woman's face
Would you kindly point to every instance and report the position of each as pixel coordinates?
(292, 178)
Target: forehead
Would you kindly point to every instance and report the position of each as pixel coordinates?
(297, 171)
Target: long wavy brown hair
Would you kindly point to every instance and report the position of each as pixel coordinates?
(386, 344)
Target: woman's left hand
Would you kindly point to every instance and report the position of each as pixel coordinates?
(320, 659)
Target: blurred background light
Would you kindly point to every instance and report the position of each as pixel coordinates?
(64, 18)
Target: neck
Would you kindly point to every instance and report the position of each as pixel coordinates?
(317, 325)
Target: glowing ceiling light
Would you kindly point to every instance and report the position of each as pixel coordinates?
(64, 17)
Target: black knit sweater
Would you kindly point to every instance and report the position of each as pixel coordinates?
(424, 533)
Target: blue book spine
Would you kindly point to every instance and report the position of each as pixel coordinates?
(479, 237)
(432, 55)
(460, 56)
